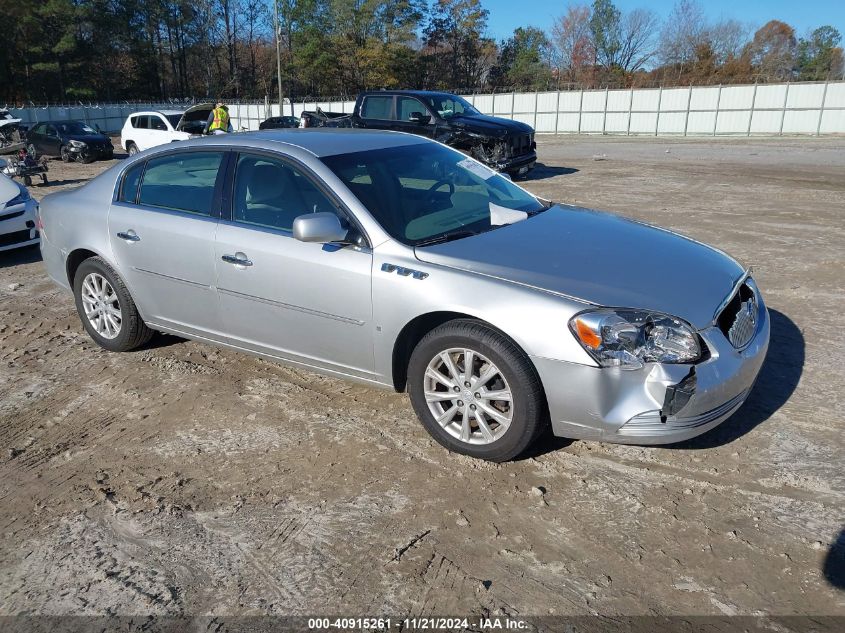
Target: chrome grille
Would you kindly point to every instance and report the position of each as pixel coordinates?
(739, 319)
(744, 325)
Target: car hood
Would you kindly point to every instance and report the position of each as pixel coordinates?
(490, 125)
(197, 112)
(602, 259)
(88, 138)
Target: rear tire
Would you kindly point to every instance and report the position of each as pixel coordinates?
(494, 411)
(106, 308)
(131, 148)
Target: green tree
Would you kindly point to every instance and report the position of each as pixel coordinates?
(523, 61)
(819, 56)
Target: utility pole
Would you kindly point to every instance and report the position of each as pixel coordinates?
(278, 55)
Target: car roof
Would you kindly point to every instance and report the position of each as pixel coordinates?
(320, 141)
(164, 112)
(61, 122)
(419, 93)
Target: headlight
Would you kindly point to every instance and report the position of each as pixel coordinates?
(630, 338)
(79, 144)
(23, 196)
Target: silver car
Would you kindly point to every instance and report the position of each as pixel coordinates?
(397, 261)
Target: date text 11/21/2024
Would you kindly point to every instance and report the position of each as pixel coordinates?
(417, 624)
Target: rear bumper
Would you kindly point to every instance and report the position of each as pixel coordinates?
(630, 407)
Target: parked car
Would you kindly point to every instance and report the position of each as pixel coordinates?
(403, 263)
(143, 130)
(17, 214)
(505, 145)
(277, 122)
(12, 131)
(71, 140)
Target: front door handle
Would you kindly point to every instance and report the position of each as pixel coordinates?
(239, 259)
(129, 236)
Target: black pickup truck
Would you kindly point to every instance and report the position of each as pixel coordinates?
(502, 144)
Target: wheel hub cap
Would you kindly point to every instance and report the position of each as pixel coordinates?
(101, 305)
(468, 396)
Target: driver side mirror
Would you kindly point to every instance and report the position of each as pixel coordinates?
(419, 117)
(323, 228)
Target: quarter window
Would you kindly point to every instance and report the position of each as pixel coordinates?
(129, 187)
(272, 194)
(140, 122)
(183, 182)
(377, 107)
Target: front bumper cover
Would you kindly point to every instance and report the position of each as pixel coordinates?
(658, 404)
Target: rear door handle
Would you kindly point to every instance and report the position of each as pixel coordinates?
(129, 236)
(239, 259)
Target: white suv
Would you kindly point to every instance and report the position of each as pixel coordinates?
(143, 130)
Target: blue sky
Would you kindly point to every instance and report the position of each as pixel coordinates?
(505, 15)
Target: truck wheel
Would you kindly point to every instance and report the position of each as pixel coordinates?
(475, 391)
(106, 308)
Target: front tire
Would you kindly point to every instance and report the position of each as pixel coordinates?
(106, 308)
(475, 391)
(30, 150)
(64, 152)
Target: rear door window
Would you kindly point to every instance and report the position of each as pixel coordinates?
(377, 107)
(182, 182)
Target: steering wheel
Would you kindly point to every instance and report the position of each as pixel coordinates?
(437, 185)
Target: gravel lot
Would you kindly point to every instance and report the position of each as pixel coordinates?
(184, 479)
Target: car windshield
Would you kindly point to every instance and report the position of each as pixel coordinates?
(448, 106)
(75, 127)
(174, 119)
(426, 193)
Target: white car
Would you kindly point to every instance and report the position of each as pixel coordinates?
(144, 130)
(18, 215)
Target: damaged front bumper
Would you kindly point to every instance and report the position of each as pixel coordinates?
(658, 404)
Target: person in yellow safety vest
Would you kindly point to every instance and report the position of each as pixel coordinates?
(218, 120)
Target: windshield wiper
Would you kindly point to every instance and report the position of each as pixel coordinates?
(447, 237)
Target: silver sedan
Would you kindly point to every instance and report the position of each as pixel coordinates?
(397, 261)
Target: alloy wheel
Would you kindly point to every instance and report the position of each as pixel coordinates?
(468, 396)
(101, 305)
(30, 150)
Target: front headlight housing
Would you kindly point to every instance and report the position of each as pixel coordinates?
(630, 338)
(75, 143)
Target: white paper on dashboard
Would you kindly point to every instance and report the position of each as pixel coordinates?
(477, 168)
(503, 215)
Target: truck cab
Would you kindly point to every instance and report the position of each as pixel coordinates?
(505, 145)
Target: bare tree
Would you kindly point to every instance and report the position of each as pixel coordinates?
(637, 39)
(683, 32)
(572, 41)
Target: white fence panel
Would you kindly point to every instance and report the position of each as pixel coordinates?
(770, 109)
(805, 96)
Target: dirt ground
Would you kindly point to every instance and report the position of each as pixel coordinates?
(184, 479)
